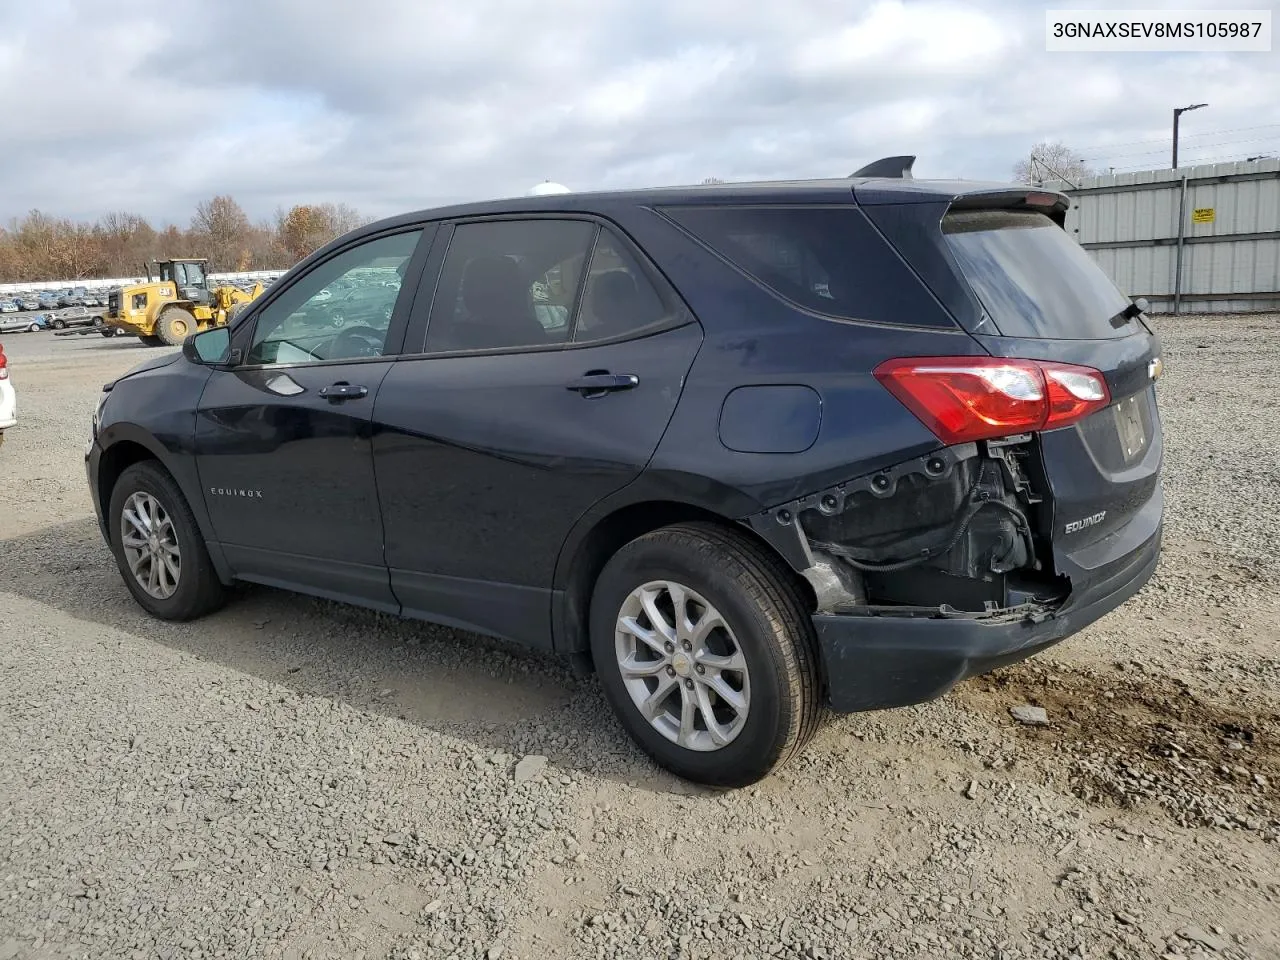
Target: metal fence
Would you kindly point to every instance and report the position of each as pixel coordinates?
(1198, 239)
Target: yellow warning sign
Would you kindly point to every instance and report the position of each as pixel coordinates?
(1202, 215)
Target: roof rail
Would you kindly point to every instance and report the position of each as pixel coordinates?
(894, 168)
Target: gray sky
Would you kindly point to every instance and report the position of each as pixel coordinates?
(392, 105)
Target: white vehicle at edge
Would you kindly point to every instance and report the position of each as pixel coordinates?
(8, 400)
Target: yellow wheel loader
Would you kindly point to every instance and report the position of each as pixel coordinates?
(176, 301)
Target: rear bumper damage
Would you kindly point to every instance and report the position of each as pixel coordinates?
(877, 661)
(943, 568)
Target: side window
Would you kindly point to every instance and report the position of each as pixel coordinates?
(619, 298)
(807, 255)
(340, 309)
(508, 284)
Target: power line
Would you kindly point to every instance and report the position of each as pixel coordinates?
(1148, 153)
(1195, 161)
(1181, 139)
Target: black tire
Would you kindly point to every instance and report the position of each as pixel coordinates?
(34, 328)
(151, 340)
(759, 599)
(199, 591)
(59, 324)
(235, 310)
(174, 325)
(107, 332)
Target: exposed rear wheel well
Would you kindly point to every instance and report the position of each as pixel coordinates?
(115, 460)
(619, 529)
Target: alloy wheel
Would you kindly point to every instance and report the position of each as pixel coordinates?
(682, 666)
(150, 545)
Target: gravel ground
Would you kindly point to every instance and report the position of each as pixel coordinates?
(293, 779)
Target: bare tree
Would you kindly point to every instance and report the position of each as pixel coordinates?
(1052, 164)
(127, 241)
(223, 226)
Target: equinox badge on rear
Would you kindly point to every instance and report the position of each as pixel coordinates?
(1075, 526)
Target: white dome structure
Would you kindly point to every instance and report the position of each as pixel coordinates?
(546, 188)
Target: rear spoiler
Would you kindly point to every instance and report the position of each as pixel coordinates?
(1052, 204)
(889, 168)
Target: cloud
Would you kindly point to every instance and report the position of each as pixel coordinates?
(396, 104)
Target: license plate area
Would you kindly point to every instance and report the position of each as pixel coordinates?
(1130, 428)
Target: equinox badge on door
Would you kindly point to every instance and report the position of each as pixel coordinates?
(236, 492)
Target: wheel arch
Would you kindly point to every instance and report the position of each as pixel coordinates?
(580, 563)
(130, 444)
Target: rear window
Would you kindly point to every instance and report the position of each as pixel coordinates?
(825, 259)
(1033, 280)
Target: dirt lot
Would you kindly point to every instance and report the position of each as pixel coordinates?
(293, 779)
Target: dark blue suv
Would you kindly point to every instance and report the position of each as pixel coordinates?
(751, 450)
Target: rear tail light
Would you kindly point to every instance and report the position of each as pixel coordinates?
(4, 364)
(962, 399)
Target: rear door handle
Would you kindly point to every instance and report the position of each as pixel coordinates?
(337, 392)
(597, 384)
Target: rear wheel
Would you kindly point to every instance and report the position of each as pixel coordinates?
(174, 325)
(59, 324)
(706, 653)
(33, 328)
(158, 546)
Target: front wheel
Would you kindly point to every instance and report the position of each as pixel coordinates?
(707, 653)
(150, 340)
(33, 328)
(175, 325)
(158, 546)
(59, 324)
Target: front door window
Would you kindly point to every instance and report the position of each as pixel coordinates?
(340, 310)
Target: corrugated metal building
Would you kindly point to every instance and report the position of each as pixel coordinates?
(1230, 238)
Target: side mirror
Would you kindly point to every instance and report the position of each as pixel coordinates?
(208, 347)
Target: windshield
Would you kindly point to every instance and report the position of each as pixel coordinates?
(1032, 279)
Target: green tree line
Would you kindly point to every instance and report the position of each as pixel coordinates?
(40, 247)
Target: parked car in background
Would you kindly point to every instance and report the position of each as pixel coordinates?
(8, 400)
(70, 300)
(75, 317)
(18, 324)
(47, 301)
(28, 302)
(90, 300)
(9, 306)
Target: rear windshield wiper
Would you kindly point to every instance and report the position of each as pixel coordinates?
(1134, 309)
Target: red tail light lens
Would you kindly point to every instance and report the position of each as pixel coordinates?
(962, 399)
(4, 364)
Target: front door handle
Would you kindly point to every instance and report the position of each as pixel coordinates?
(337, 392)
(599, 382)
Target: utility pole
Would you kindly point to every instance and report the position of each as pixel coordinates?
(1178, 112)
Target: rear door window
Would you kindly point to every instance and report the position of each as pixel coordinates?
(619, 300)
(1032, 279)
(509, 284)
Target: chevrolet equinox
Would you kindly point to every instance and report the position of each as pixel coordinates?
(751, 450)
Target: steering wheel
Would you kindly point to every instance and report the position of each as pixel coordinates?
(359, 341)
